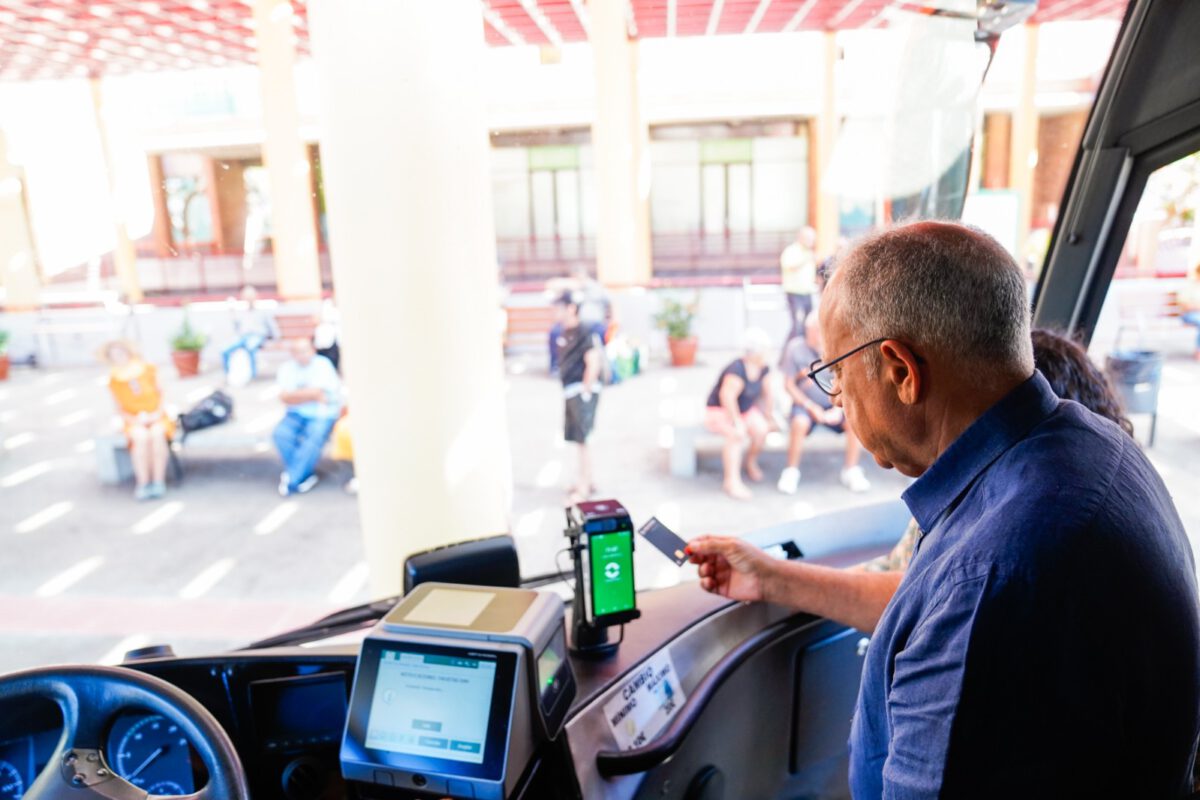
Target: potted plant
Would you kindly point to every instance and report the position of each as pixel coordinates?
(186, 345)
(3, 355)
(676, 318)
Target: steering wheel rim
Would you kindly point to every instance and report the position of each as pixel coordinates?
(89, 697)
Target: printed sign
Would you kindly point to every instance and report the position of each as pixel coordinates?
(645, 703)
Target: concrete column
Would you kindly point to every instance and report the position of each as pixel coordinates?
(621, 141)
(405, 159)
(124, 255)
(293, 235)
(19, 273)
(1024, 153)
(824, 214)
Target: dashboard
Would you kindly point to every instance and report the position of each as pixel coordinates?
(284, 712)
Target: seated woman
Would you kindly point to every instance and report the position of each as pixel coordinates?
(740, 406)
(148, 429)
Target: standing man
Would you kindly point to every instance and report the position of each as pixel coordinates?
(580, 357)
(310, 388)
(798, 276)
(1045, 639)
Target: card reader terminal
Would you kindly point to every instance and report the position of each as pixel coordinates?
(456, 688)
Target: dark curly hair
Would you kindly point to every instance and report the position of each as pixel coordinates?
(1073, 376)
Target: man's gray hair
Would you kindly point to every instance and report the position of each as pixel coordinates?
(938, 285)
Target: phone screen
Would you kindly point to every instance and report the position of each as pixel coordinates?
(611, 557)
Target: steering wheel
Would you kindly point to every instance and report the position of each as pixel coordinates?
(89, 697)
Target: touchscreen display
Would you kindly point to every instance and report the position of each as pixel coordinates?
(611, 557)
(436, 706)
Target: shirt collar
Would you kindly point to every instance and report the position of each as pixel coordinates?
(985, 440)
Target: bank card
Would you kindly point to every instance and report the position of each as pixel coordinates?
(664, 540)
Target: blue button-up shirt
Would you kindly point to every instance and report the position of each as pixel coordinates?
(1045, 641)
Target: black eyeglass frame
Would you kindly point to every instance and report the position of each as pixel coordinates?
(814, 370)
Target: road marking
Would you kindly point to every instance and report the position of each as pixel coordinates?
(274, 520)
(61, 396)
(53, 377)
(25, 474)
(7, 416)
(206, 580)
(74, 418)
(69, 577)
(671, 515)
(86, 446)
(196, 395)
(44, 517)
(530, 524)
(549, 474)
(18, 440)
(262, 423)
(349, 585)
(668, 385)
(268, 394)
(157, 518)
(803, 510)
(261, 447)
(103, 382)
(117, 652)
(666, 436)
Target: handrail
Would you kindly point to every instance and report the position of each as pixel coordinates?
(641, 759)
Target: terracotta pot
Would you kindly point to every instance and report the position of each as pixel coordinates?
(3, 366)
(187, 362)
(683, 351)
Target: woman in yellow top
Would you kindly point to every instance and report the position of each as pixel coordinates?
(134, 385)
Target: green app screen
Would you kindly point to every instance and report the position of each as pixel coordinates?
(612, 572)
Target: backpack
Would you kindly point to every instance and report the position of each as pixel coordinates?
(215, 409)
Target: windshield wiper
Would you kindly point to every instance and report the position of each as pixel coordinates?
(344, 621)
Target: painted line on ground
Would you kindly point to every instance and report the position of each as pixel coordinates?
(44, 517)
(25, 474)
(530, 524)
(198, 394)
(157, 518)
(7, 416)
(116, 654)
(86, 446)
(61, 396)
(262, 423)
(74, 418)
(549, 475)
(18, 440)
(267, 394)
(349, 585)
(207, 579)
(276, 518)
(69, 577)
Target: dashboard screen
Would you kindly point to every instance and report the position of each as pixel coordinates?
(432, 705)
(299, 712)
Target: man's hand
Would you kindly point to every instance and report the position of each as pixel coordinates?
(731, 567)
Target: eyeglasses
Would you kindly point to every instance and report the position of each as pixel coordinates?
(825, 378)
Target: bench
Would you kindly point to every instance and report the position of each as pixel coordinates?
(528, 327)
(291, 326)
(688, 441)
(113, 465)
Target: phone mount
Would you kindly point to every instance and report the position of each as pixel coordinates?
(588, 639)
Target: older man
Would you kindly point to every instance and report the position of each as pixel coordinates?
(1045, 640)
(310, 388)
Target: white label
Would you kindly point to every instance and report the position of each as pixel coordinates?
(645, 702)
(450, 607)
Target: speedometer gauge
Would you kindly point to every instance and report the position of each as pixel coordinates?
(12, 785)
(152, 753)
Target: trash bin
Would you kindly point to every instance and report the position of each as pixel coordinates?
(1137, 376)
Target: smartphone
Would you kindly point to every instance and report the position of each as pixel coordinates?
(610, 595)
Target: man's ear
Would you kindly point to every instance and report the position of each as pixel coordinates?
(901, 369)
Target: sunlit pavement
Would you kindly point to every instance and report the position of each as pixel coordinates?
(86, 572)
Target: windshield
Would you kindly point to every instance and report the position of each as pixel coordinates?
(292, 291)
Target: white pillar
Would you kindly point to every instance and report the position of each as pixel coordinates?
(19, 273)
(620, 138)
(1023, 156)
(124, 253)
(293, 223)
(405, 154)
(825, 216)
